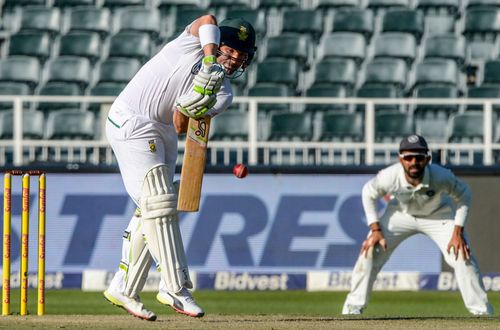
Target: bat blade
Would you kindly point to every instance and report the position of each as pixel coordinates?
(193, 165)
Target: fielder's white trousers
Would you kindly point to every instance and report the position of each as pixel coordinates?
(396, 227)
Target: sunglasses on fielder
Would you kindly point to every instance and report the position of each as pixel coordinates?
(419, 157)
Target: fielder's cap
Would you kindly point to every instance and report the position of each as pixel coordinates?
(413, 142)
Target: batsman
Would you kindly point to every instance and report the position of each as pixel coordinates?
(188, 78)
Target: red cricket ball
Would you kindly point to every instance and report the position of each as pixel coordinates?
(240, 171)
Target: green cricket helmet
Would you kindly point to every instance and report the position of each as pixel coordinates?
(237, 33)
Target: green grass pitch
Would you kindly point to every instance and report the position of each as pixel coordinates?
(405, 304)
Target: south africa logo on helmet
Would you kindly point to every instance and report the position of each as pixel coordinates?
(237, 33)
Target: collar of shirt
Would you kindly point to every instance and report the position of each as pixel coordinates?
(424, 184)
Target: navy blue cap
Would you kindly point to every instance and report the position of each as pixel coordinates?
(413, 142)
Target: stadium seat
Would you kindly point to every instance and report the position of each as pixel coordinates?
(343, 45)
(104, 89)
(20, 69)
(482, 23)
(378, 5)
(70, 70)
(74, 3)
(70, 124)
(280, 71)
(437, 71)
(123, 3)
(466, 127)
(336, 71)
(91, 19)
(41, 19)
(33, 124)
(436, 110)
(396, 45)
(291, 126)
(59, 88)
(342, 127)
(326, 5)
(404, 20)
(290, 46)
(271, 89)
(29, 43)
(184, 17)
(255, 17)
(267, 4)
(482, 4)
(131, 44)
(327, 90)
(165, 6)
(303, 21)
(439, 25)
(140, 20)
(12, 88)
(447, 47)
(226, 4)
(391, 127)
(486, 92)
(118, 70)
(81, 43)
(19, 3)
(386, 72)
(230, 125)
(354, 20)
(439, 7)
(374, 92)
(492, 72)
(481, 50)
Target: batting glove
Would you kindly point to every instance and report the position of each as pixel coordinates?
(194, 104)
(209, 78)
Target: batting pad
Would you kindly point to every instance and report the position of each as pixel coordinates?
(161, 228)
(138, 260)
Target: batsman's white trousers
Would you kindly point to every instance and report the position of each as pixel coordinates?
(139, 143)
(396, 227)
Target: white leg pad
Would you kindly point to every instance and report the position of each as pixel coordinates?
(161, 228)
(137, 260)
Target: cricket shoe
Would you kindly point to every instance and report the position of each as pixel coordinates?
(182, 302)
(132, 306)
(352, 310)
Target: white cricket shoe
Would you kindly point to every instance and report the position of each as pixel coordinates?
(182, 302)
(131, 305)
(352, 310)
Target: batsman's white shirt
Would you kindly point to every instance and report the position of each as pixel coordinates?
(140, 122)
(432, 208)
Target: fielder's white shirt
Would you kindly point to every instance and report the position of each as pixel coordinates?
(153, 90)
(440, 195)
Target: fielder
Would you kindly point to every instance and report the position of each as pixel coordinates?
(426, 199)
(185, 79)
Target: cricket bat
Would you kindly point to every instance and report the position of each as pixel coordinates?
(193, 164)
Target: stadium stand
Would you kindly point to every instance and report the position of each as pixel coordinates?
(287, 126)
(396, 45)
(271, 89)
(140, 20)
(70, 70)
(386, 72)
(12, 88)
(303, 21)
(230, 125)
(74, 3)
(354, 20)
(342, 127)
(404, 20)
(290, 46)
(336, 72)
(326, 90)
(58, 88)
(118, 70)
(41, 19)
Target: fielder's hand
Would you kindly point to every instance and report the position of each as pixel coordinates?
(375, 237)
(194, 104)
(209, 79)
(458, 244)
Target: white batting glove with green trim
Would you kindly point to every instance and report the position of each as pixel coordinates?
(194, 104)
(210, 77)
